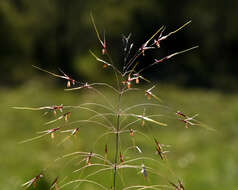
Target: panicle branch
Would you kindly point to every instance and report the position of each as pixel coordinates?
(115, 120)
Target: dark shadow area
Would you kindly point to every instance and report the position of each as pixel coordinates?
(58, 33)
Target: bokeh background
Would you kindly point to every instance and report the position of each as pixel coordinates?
(59, 33)
(54, 34)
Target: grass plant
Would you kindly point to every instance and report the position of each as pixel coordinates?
(118, 157)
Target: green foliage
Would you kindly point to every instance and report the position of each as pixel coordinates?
(192, 150)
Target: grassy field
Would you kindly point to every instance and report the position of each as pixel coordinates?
(201, 158)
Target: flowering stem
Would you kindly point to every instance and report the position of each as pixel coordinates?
(117, 140)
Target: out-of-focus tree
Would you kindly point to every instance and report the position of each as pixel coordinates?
(58, 33)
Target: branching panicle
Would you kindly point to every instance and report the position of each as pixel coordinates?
(129, 122)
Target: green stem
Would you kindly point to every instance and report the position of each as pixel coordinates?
(117, 140)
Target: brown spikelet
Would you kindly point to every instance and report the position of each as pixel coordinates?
(89, 158)
(54, 112)
(128, 84)
(143, 52)
(121, 158)
(66, 116)
(104, 51)
(52, 135)
(106, 149)
(148, 95)
(157, 43)
(142, 123)
(131, 132)
(68, 84)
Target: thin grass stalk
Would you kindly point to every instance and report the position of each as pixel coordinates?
(117, 140)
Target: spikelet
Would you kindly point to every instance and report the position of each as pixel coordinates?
(131, 132)
(68, 84)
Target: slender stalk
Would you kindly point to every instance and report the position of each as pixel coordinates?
(117, 140)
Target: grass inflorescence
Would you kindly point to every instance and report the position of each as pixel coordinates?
(116, 155)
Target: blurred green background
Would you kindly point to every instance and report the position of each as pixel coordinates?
(59, 33)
